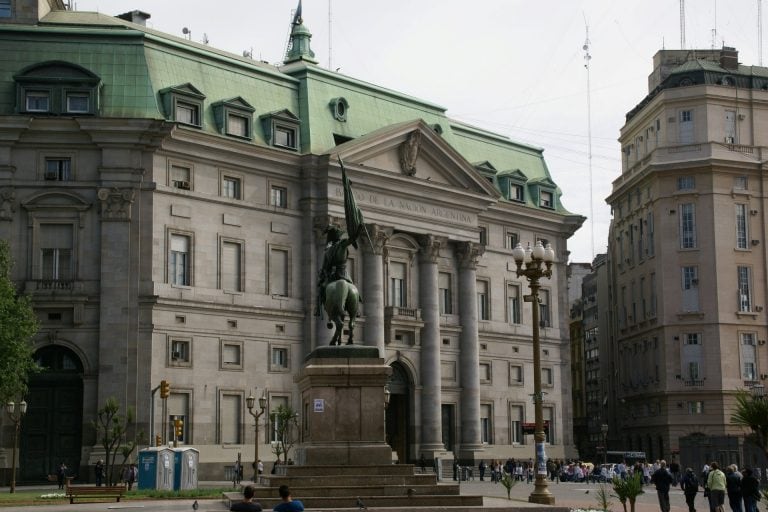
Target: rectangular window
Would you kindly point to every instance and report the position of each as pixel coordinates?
(276, 402)
(278, 272)
(397, 290)
(652, 308)
(230, 187)
(516, 418)
(740, 183)
(485, 423)
(187, 113)
(444, 288)
(690, 287)
(515, 375)
(279, 197)
(279, 358)
(485, 373)
(546, 377)
(58, 169)
(285, 137)
(512, 240)
(230, 419)
(232, 355)
(741, 226)
(692, 338)
(686, 182)
(237, 125)
(513, 304)
(685, 127)
(5, 8)
(231, 269)
(696, 407)
(37, 101)
(483, 312)
(650, 248)
(78, 103)
(483, 235)
(178, 409)
(516, 193)
(56, 242)
(748, 357)
(549, 424)
(179, 261)
(544, 309)
(687, 226)
(730, 126)
(181, 354)
(546, 200)
(744, 280)
(181, 177)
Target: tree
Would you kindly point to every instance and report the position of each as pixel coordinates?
(752, 413)
(286, 425)
(19, 324)
(112, 432)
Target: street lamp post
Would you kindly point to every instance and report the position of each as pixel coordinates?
(604, 431)
(250, 402)
(534, 264)
(15, 413)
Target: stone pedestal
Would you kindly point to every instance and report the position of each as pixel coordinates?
(342, 407)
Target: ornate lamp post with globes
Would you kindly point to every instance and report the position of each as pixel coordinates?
(15, 413)
(534, 264)
(251, 402)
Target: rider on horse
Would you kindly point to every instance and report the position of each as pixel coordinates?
(334, 263)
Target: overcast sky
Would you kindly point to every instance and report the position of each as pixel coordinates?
(512, 66)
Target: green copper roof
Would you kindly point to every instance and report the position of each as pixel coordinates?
(136, 63)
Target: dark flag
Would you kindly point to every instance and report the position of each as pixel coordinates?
(297, 20)
(352, 214)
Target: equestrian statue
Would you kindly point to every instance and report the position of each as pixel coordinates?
(337, 294)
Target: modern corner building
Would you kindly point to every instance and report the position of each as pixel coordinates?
(687, 251)
(166, 201)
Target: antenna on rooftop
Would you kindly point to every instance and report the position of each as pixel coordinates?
(682, 24)
(187, 33)
(587, 58)
(330, 35)
(759, 32)
(714, 29)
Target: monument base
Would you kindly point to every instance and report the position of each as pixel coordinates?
(343, 407)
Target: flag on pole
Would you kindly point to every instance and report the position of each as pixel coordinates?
(352, 214)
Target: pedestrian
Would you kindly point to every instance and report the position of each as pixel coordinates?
(287, 503)
(690, 486)
(260, 469)
(247, 505)
(423, 464)
(61, 474)
(98, 472)
(129, 475)
(662, 478)
(481, 467)
(750, 490)
(716, 487)
(733, 487)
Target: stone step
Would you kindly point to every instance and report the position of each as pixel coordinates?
(379, 470)
(323, 480)
(361, 490)
(350, 502)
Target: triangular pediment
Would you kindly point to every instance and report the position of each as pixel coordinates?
(485, 167)
(283, 115)
(413, 151)
(515, 175)
(186, 89)
(546, 181)
(237, 102)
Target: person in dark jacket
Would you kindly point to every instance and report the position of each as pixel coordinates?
(733, 488)
(750, 490)
(662, 479)
(482, 467)
(690, 486)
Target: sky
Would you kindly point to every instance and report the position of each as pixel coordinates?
(516, 67)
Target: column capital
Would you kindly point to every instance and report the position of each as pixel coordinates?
(430, 247)
(379, 237)
(469, 254)
(116, 203)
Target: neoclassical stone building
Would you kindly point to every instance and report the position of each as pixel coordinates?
(165, 202)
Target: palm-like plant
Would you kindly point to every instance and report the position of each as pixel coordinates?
(628, 489)
(508, 482)
(752, 413)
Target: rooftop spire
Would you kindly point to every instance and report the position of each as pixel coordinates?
(298, 45)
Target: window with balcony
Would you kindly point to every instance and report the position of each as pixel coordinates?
(690, 287)
(742, 231)
(748, 357)
(744, 283)
(687, 226)
(397, 284)
(56, 253)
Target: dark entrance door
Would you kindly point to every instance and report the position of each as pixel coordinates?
(397, 416)
(52, 429)
(449, 425)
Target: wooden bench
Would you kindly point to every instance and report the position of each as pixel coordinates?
(93, 492)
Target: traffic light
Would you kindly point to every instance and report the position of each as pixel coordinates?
(179, 428)
(165, 388)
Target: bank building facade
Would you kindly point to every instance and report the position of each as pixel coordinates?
(165, 202)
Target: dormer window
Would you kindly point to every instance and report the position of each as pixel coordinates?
(234, 117)
(57, 88)
(546, 199)
(183, 104)
(512, 185)
(282, 129)
(544, 192)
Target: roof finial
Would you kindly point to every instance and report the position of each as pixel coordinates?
(297, 19)
(298, 45)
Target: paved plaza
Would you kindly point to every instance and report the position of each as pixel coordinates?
(572, 495)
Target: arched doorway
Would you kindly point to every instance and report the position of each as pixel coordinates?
(52, 429)
(397, 416)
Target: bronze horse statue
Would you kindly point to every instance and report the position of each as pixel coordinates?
(341, 299)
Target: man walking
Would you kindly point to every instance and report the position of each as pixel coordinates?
(690, 486)
(716, 486)
(662, 479)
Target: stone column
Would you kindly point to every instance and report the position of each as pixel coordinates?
(373, 288)
(469, 364)
(431, 417)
